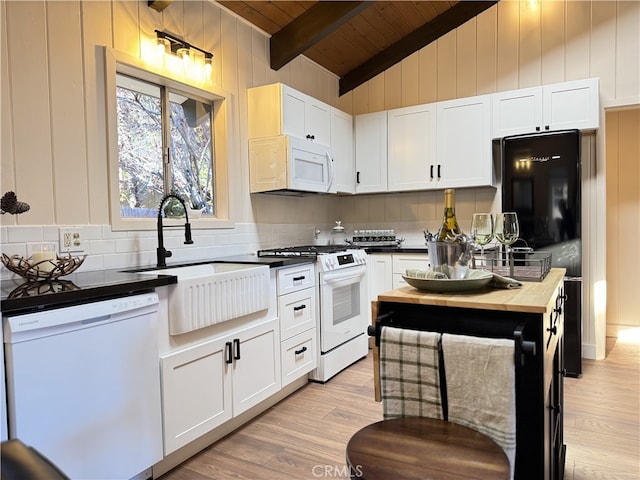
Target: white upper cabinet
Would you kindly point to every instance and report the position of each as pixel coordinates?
(278, 109)
(517, 111)
(411, 147)
(550, 107)
(342, 151)
(464, 155)
(571, 105)
(371, 152)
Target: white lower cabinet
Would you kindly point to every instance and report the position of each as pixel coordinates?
(379, 272)
(299, 356)
(401, 262)
(256, 365)
(207, 384)
(386, 270)
(297, 309)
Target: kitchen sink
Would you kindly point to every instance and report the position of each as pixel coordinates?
(211, 293)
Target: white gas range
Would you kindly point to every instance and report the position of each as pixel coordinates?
(342, 295)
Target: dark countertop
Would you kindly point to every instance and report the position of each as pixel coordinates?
(21, 296)
(374, 250)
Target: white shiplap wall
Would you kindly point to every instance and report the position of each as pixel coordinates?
(510, 46)
(54, 131)
(53, 127)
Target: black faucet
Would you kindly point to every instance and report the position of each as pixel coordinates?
(162, 252)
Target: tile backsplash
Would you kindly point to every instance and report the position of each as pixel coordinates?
(106, 249)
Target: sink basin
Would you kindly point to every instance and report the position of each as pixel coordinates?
(212, 293)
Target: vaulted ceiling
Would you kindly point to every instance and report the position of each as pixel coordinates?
(354, 40)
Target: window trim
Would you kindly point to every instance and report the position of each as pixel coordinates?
(118, 62)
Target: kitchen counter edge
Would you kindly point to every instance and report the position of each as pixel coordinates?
(83, 287)
(533, 297)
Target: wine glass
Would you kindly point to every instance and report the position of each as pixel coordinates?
(507, 231)
(482, 231)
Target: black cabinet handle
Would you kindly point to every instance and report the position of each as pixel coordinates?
(357, 177)
(300, 307)
(297, 279)
(546, 127)
(553, 330)
(439, 176)
(302, 350)
(431, 172)
(227, 353)
(236, 348)
(537, 128)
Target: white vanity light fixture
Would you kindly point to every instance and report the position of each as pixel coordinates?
(179, 57)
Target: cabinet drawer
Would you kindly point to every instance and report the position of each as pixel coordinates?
(297, 312)
(292, 279)
(299, 356)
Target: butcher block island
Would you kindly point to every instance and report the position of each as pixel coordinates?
(533, 317)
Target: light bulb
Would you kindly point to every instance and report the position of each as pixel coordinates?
(208, 66)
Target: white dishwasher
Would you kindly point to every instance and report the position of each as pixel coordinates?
(83, 386)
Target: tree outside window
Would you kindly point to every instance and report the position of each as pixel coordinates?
(160, 153)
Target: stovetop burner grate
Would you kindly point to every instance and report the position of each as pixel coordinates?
(302, 251)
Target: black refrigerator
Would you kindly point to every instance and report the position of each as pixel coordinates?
(541, 183)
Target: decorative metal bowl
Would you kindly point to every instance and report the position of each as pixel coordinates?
(43, 270)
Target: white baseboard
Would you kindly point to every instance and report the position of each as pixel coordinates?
(589, 351)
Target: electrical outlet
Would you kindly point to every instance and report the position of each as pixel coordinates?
(71, 240)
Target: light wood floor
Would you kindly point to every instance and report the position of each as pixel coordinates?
(304, 436)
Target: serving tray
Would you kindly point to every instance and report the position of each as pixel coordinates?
(476, 279)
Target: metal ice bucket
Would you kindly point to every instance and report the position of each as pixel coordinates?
(449, 258)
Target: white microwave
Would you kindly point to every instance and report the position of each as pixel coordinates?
(290, 165)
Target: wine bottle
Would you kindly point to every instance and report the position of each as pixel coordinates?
(449, 231)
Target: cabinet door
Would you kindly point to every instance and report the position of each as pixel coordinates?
(196, 392)
(380, 271)
(371, 152)
(516, 112)
(256, 365)
(317, 119)
(293, 112)
(411, 147)
(305, 117)
(402, 262)
(342, 151)
(464, 143)
(572, 105)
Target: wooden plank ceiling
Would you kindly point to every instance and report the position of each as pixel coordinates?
(354, 40)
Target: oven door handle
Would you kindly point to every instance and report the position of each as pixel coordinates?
(343, 277)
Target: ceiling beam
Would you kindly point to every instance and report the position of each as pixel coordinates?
(439, 26)
(309, 28)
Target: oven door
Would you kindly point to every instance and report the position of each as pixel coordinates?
(342, 306)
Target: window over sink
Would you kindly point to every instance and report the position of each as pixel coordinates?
(165, 136)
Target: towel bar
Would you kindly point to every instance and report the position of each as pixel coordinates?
(522, 347)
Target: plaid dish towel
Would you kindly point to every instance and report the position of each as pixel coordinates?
(409, 377)
(481, 393)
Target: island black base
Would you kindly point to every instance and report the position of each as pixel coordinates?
(539, 363)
